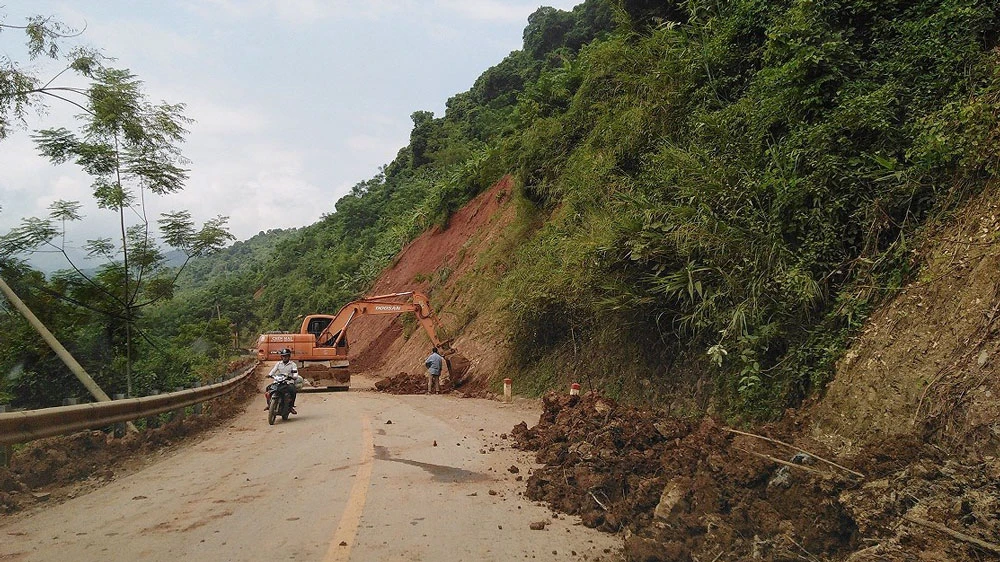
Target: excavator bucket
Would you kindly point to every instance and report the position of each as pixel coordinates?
(458, 368)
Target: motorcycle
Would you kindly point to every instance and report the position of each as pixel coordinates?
(279, 397)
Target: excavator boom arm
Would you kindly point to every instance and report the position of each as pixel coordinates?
(394, 304)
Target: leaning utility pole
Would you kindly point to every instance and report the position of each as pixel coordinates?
(54, 343)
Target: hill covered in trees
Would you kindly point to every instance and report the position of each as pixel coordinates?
(714, 191)
(711, 197)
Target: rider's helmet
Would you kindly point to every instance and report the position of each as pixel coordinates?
(285, 353)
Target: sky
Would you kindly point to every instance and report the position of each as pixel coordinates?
(294, 101)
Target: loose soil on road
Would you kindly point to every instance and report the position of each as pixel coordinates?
(696, 490)
(683, 490)
(397, 477)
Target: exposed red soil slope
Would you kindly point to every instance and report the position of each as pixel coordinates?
(432, 263)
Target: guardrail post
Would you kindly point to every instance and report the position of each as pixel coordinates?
(197, 407)
(153, 421)
(6, 451)
(178, 414)
(119, 430)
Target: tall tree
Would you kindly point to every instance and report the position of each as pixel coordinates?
(129, 147)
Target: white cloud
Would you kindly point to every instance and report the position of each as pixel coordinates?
(260, 188)
(490, 10)
(213, 118)
(131, 37)
(313, 11)
(20, 163)
(300, 11)
(145, 40)
(370, 143)
(67, 186)
(29, 183)
(384, 120)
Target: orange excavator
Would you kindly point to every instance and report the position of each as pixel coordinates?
(320, 346)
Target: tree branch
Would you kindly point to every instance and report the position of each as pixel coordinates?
(53, 79)
(54, 33)
(84, 275)
(817, 457)
(995, 548)
(69, 101)
(786, 463)
(72, 300)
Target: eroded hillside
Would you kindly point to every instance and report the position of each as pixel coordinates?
(454, 266)
(926, 363)
(896, 462)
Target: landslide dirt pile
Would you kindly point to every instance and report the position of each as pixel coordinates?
(685, 490)
(59, 467)
(403, 383)
(413, 383)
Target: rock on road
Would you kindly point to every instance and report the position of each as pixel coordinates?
(355, 476)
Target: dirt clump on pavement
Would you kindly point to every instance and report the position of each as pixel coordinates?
(403, 383)
(696, 490)
(413, 383)
(58, 468)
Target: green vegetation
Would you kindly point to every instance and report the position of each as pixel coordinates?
(739, 181)
(129, 147)
(709, 191)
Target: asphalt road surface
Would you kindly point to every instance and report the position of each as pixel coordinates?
(356, 476)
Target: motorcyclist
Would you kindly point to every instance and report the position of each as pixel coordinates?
(288, 368)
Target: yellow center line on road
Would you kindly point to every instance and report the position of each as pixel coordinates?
(343, 538)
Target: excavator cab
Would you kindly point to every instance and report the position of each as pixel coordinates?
(317, 325)
(318, 328)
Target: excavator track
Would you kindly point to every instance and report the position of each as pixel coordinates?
(337, 378)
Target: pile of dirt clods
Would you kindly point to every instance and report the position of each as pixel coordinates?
(412, 383)
(403, 383)
(698, 491)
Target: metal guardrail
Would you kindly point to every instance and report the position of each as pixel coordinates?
(21, 427)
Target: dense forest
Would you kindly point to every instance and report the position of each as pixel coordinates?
(707, 190)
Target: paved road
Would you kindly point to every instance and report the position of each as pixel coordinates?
(355, 476)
